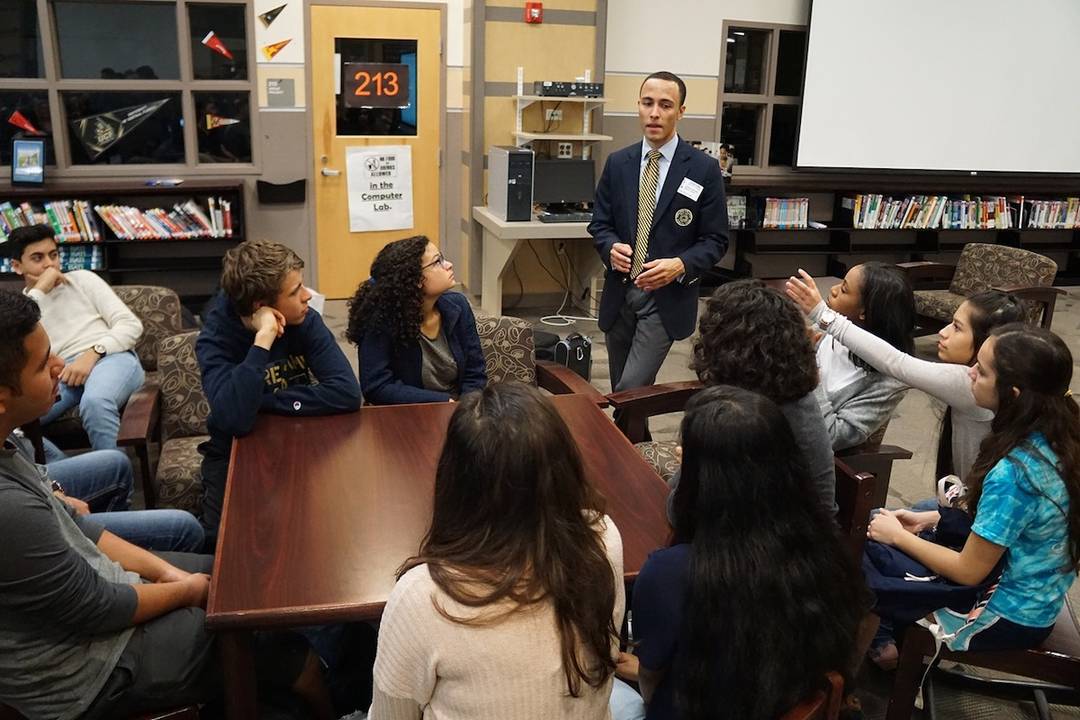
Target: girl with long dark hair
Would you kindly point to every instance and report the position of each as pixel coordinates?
(756, 598)
(965, 423)
(417, 341)
(855, 398)
(1023, 493)
(511, 607)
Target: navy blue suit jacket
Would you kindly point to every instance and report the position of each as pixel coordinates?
(699, 244)
(390, 373)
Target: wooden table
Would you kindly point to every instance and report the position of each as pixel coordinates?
(320, 512)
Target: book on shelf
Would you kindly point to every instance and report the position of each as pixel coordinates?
(736, 211)
(182, 222)
(785, 213)
(72, 257)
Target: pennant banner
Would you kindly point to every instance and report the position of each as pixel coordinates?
(213, 42)
(98, 133)
(271, 15)
(273, 49)
(19, 120)
(216, 121)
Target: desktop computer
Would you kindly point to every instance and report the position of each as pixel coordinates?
(510, 183)
(564, 189)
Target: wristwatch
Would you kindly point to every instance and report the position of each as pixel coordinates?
(826, 319)
(99, 349)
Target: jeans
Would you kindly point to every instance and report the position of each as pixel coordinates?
(108, 387)
(625, 703)
(100, 478)
(157, 530)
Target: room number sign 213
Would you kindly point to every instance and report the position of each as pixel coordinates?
(376, 85)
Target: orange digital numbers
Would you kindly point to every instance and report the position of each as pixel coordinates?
(386, 83)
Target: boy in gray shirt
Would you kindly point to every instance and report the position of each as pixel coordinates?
(91, 625)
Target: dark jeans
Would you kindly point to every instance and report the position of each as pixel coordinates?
(215, 469)
(1007, 635)
(172, 661)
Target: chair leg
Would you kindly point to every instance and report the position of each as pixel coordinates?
(1042, 707)
(142, 451)
(909, 671)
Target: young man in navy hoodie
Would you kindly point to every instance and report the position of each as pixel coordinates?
(262, 349)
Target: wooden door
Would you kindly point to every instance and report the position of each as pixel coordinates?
(340, 34)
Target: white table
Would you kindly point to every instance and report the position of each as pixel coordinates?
(502, 241)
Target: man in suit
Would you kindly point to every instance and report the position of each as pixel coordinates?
(659, 222)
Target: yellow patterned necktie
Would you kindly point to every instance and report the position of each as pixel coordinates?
(646, 205)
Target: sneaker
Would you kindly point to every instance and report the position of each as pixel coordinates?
(885, 656)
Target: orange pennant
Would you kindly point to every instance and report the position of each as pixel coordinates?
(271, 50)
(213, 42)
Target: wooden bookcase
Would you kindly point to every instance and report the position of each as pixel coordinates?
(191, 267)
(834, 249)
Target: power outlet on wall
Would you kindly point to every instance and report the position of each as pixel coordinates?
(566, 150)
(553, 115)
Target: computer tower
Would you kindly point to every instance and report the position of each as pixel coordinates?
(510, 182)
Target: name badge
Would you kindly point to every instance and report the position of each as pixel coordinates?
(690, 189)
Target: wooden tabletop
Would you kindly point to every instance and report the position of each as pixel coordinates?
(320, 512)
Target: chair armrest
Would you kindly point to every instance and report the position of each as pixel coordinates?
(139, 420)
(855, 494)
(925, 271)
(884, 452)
(1040, 294)
(655, 399)
(560, 380)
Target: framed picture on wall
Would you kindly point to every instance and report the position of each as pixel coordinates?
(28, 161)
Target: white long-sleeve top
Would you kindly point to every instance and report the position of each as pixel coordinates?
(84, 312)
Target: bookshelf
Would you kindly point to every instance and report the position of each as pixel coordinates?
(184, 257)
(531, 111)
(847, 237)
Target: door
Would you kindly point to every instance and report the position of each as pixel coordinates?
(359, 59)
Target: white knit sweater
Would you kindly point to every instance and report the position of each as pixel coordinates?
(84, 312)
(431, 667)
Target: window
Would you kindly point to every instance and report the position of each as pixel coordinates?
(762, 70)
(137, 83)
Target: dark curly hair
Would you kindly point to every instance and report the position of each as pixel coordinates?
(752, 337)
(390, 300)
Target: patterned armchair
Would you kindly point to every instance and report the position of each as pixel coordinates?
(510, 354)
(159, 310)
(184, 409)
(1026, 274)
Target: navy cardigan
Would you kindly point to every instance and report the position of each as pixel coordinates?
(390, 373)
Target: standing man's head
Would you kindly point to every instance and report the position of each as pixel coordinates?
(259, 273)
(32, 250)
(29, 371)
(661, 103)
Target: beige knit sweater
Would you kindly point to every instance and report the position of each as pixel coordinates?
(83, 312)
(433, 668)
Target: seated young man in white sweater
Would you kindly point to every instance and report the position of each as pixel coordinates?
(90, 328)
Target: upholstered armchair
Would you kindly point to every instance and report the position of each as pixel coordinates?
(1028, 275)
(159, 310)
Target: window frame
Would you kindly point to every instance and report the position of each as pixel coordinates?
(767, 100)
(54, 85)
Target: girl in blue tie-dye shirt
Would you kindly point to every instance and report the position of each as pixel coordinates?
(1023, 492)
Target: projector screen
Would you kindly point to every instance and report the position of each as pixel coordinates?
(952, 85)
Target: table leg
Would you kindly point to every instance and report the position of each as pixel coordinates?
(238, 663)
(498, 254)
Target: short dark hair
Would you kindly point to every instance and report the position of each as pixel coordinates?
(669, 77)
(22, 237)
(19, 316)
(752, 337)
(253, 272)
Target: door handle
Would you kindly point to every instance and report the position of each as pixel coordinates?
(330, 172)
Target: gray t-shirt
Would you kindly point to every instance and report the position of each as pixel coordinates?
(438, 369)
(65, 608)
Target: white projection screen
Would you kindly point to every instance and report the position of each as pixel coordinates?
(949, 85)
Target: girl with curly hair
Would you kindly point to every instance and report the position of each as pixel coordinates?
(720, 613)
(417, 342)
(1023, 493)
(752, 337)
(855, 398)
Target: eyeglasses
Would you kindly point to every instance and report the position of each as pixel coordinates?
(440, 260)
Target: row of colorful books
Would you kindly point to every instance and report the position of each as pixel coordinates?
(996, 212)
(182, 222)
(72, 257)
(785, 213)
(74, 221)
(1053, 214)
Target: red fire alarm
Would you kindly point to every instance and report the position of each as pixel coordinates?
(534, 12)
